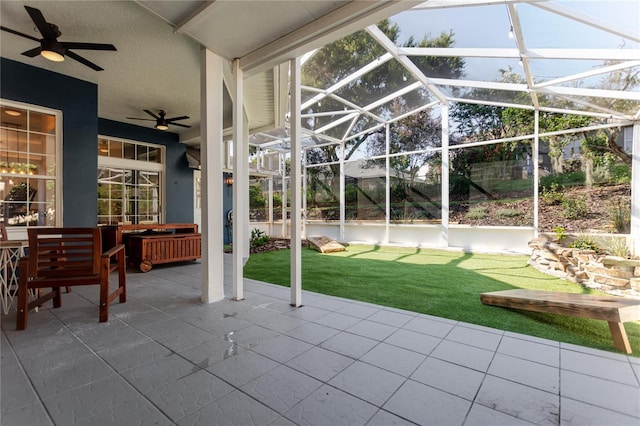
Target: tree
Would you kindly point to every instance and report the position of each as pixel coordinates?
(340, 59)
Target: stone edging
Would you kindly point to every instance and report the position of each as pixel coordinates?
(611, 274)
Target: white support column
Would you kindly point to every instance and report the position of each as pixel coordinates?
(536, 173)
(245, 191)
(284, 199)
(342, 197)
(635, 191)
(211, 154)
(304, 196)
(296, 193)
(240, 185)
(444, 112)
(270, 203)
(387, 208)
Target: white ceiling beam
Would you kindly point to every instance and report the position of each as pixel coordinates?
(595, 107)
(478, 84)
(492, 103)
(328, 113)
(367, 109)
(516, 29)
(196, 16)
(595, 93)
(447, 4)
(352, 77)
(588, 74)
(591, 21)
(407, 63)
(534, 53)
(584, 112)
(341, 22)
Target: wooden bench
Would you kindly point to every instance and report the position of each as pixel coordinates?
(614, 310)
(152, 244)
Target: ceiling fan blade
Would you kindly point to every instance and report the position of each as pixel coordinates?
(151, 114)
(33, 52)
(178, 124)
(9, 30)
(89, 46)
(136, 118)
(83, 60)
(41, 23)
(184, 117)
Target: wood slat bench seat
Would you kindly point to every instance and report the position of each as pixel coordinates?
(614, 310)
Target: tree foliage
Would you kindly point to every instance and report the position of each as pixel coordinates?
(340, 59)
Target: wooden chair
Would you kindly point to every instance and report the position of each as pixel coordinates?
(61, 257)
(3, 233)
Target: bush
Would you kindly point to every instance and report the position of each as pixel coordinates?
(617, 246)
(553, 195)
(476, 213)
(507, 213)
(258, 238)
(575, 208)
(567, 179)
(620, 217)
(621, 174)
(585, 243)
(560, 234)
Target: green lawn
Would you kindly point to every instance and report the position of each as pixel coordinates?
(438, 282)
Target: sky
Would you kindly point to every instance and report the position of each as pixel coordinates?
(488, 26)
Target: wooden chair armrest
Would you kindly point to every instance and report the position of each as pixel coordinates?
(113, 250)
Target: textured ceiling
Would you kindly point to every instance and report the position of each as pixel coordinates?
(157, 62)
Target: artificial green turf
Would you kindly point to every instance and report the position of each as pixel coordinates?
(443, 283)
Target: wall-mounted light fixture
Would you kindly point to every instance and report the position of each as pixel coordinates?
(229, 180)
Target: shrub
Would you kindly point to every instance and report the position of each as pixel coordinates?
(621, 174)
(507, 213)
(476, 213)
(566, 179)
(585, 243)
(553, 194)
(617, 246)
(560, 234)
(575, 208)
(258, 238)
(620, 217)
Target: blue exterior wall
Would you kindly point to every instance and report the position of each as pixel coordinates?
(78, 101)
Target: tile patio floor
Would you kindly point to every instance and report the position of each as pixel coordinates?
(163, 358)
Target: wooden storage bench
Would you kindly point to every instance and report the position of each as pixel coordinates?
(614, 310)
(152, 244)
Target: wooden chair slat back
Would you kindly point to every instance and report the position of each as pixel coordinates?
(64, 252)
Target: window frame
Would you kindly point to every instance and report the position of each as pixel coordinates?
(57, 178)
(136, 165)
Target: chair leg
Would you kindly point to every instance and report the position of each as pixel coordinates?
(104, 298)
(57, 297)
(122, 277)
(23, 301)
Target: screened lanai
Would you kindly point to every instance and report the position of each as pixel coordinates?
(453, 124)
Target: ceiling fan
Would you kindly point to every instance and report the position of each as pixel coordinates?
(50, 47)
(162, 123)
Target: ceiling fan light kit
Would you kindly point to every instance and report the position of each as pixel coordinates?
(162, 123)
(52, 50)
